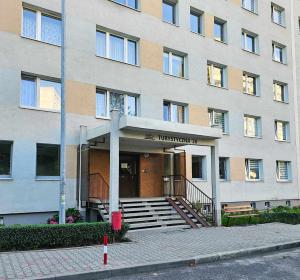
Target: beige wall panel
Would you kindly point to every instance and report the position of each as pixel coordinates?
(236, 2)
(10, 16)
(237, 169)
(71, 161)
(80, 98)
(235, 79)
(198, 115)
(209, 25)
(151, 55)
(189, 166)
(153, 7)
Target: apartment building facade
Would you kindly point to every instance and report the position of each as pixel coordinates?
(193, 80)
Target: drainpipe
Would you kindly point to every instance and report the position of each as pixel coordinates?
(80, 166)
(295, 87)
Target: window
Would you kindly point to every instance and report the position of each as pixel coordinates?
(224, 168)
(198, 171)
(278, 53)
(129, 3)
(253, 205)
(5, 159)
(216, 75)
(40, 93)
(169, 12)
(42, 27)
(250, 41)
(174, 64)
(283, 170)
(252, 126)
(250, 84)
(250, 5)
(116, 48)
(267, 204)
(174, 112)
(281, 131)
(277, 14)
(196, 21)
(288, 203)
(219, 119)
(47, 160)
(280, 92)
(220, 30)
(105, 101)
(253, 169)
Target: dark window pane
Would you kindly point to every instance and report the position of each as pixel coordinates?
(222, 168)
(47, 160)
(197, 167)
(5, 158)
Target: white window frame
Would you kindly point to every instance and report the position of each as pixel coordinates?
(227, 169)
(277, 8)
(38, 92)
(8, 176)
(38, 28)
(172, 104)
(212, 118)
(247, 169)
(212, 82)
(258, 132)
(170, 57)
(126, 39)
(246, 33)
(285, 92)
(204, 168)
(107, 101)
(288, 170)
(283, 51)
(254, 4)
(287, 131)
(256, 81)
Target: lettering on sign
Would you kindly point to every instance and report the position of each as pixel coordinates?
(175, 139)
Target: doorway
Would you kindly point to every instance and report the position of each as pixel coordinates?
(129, 175)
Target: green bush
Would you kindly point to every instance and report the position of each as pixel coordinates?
(31, 237)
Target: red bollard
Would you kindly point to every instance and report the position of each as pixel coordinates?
(105, 242)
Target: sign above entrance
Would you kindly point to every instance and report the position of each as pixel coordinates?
(173, 139)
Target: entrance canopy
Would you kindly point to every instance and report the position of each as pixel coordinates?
(156, 133)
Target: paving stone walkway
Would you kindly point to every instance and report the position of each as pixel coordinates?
(152, 246)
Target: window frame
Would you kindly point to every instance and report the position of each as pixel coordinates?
(170, 54)
(37, 80)
(287, 130)
(246, 75)
(288, 171)
(10, 175)
(126, 4)
(277, 8)
(223, 24)
(254, 3)
(126, 40)
(283, 53)
(203, 161)
(258, 128)
(211, 81)
(248, 169)
(212, 122)
(227, 169)
(199, 14)
(285, 92)
(172, 3)
(255, 45)
(171, 105)
(38, 19)
(107, 103)
(46, 177)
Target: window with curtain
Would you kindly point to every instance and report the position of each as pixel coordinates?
(280, 92)
(51, 30)
(218, 119)
(283, 170)
(173, 112)
(5, 159)
(249, 5)
(215, 75)
(278, 53)
(174, 64)
(120, 48)
(29, 24)
(253, 169)
(251, 126)
(277, 14)
(132, 105)
(250, 84)
(281, 131)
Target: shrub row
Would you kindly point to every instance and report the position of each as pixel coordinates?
(30, 237)
(264, 217)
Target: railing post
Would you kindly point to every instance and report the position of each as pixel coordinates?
(215, 184)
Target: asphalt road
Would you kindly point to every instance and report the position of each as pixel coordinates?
(279, 265)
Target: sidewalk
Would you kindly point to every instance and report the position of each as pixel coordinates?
(148, 250)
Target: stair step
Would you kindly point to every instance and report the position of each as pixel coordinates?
(148, 208)
(143, 204)
(153, 224)
(128, 200)
(176, 227)
(152, 218)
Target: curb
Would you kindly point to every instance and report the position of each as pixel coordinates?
(174, 264)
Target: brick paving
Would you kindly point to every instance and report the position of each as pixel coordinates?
(152, 246)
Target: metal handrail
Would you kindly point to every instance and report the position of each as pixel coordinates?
(180, 186)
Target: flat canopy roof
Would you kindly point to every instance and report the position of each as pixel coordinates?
(157, 131)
